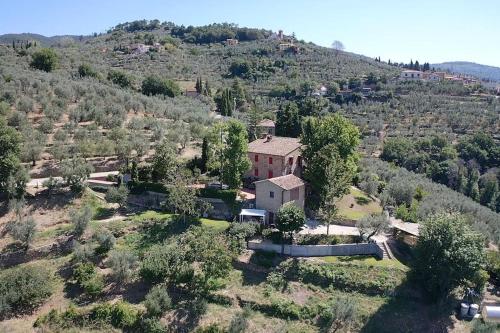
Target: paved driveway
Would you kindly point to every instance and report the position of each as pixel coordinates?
(313, 227)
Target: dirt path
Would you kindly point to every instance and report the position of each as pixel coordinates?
(37, 182)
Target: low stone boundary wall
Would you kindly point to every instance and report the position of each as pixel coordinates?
(319, 250)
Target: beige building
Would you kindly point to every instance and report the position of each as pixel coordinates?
(267, 126)
(274, 156)
(271, 194)
(412, 75)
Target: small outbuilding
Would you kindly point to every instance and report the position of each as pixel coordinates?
(271, 194)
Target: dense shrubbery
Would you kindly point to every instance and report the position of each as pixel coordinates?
(120, 315)
(88, 279)
(217, 33)
(156, 86)
(346, 277)
(175, 261)
(23, 288)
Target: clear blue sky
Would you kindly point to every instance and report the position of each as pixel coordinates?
(434, 31)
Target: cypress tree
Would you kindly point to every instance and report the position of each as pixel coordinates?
(204, 155)
(199, 85)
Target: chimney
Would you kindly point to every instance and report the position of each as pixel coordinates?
(269, 137)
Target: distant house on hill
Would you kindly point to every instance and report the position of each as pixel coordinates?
(231, 41)
(271, 194)
(411, 75)
(139, 48)
(191, 92)
(433, 77)
(267, 126)
(274, 156)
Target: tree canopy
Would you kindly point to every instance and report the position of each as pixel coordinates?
(44, 59)
(449, 254)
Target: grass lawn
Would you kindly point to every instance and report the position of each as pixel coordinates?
(364, 260)
(219, 225)
(357, 204)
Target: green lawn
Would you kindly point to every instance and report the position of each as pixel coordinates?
(364, 260)
(357, 204)
(218, 225)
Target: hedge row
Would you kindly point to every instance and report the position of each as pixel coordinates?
(228, 196)
(141, 187)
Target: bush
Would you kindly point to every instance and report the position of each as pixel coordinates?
(120, 315)
(123, 315)
(493, 264)
(82, 252)
(23, 230)
(263, 258)
(228, 196)
(87, 278)
(117, 195)
(240, 233)
(80, 219)
(106, 241)
(156, 86)
(152, 325)
(123, 264)
(157, 301)
(275, 236)
(141, 187)
(23, 288)
(483, 327)
(45, 60)
(119, 78)
(84, 70)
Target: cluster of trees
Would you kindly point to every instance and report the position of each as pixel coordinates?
(156, 86)
(230, 100)
(138, 25)
(416, 66)
(215, 33)
(225, 152)
(418, 197)
(470, 167)
(290, 115)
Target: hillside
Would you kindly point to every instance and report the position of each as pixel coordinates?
(172, 107)
(470, 68)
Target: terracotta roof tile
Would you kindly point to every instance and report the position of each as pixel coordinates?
(287, 182)
(279, 146)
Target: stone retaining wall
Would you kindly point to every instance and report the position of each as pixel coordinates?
(319, 250)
